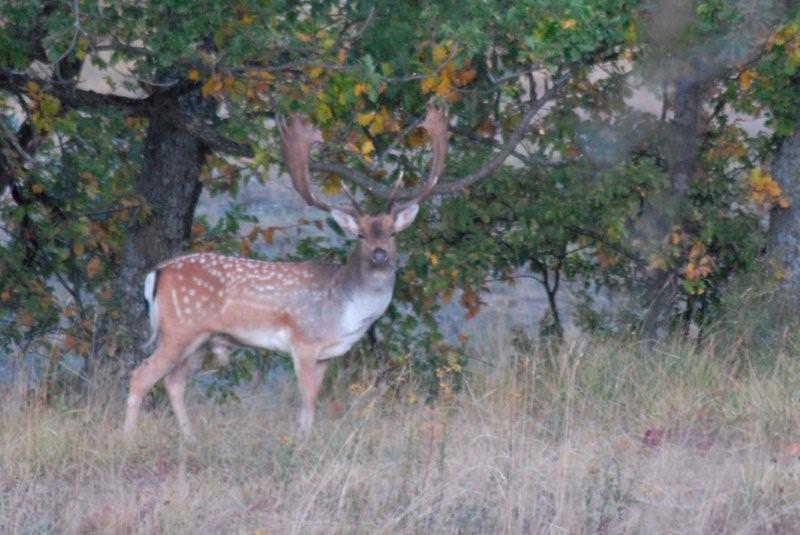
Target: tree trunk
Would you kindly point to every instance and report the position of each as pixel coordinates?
(170, 184)
(784, 227)
(685, 142)
(682, 146)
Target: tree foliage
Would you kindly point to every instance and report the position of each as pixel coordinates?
(554, 172)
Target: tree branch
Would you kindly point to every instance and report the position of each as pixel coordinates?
(207, 134)
(70, 95)
(506, 149)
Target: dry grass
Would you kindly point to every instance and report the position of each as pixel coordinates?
(595, 439)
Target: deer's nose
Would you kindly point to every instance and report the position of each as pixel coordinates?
(379, 256)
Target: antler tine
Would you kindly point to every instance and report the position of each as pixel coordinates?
(352, 198)
(396, 188)
(436, 123)
(297, 138)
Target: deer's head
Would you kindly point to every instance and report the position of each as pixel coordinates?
(376, 249)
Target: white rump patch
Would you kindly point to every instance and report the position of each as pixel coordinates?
(152, 306)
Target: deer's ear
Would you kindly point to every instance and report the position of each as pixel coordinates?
(346, 221)
(405, 217)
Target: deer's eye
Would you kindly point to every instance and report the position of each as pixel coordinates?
(362, 237)
(393, 234)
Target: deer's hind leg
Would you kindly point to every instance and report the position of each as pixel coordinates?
(169, 354)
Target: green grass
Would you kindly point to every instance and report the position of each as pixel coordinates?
(595, 438)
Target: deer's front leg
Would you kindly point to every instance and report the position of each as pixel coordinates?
(310, 374)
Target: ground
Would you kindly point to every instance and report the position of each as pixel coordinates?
(594, 438)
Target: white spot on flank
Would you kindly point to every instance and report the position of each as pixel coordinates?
(175, 304)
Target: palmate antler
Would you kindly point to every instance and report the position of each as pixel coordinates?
(436, 123)
(298, 137)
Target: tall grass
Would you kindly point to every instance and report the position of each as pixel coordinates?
(592, 438)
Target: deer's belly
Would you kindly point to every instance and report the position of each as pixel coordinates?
(273, 339)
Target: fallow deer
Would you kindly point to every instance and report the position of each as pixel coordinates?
(312, 311)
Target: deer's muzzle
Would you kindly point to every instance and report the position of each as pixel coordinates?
(379, 257)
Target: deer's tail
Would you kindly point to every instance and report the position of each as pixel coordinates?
(150, 288)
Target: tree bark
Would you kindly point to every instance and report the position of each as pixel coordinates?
(681, 150)
(784, 227)
(170, 184)
(685, 142)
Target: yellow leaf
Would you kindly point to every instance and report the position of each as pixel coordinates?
(657, 262)
(247, 20)
(244, 248)
(212, 86)
(32, 88)
(82, 49)
(378, 122)
(364, 119)
(315, 73)
(93, 266)
(323, 112)
(439, 53)
(367, 148)
(429, 84)
(6, 295)
(268, 234)
(691, 271)
(746, 79)
(464, 76)
(698, 249)
(568, 24)
(783, 202)
(417, 138)
(37, 188)
(193, 75)
(341, 56)
(444, 88)
(332, 186)
(773, 189)
(305, 38)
